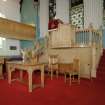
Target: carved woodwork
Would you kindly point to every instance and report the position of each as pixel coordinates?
(62, 37)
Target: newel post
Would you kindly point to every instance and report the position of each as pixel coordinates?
(93, 70)
(90, 33)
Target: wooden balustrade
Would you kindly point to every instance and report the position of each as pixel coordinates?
(67, 36)
(87, 37)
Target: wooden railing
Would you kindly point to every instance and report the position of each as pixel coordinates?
(67, 36)
(87, 37)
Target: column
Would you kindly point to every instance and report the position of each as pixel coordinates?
(44, 17)
(93, 13)
(62, 10)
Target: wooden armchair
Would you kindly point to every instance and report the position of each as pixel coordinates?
(74, 71)
(53, 65)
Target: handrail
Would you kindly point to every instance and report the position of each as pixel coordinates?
(87, 30)
(87, 37)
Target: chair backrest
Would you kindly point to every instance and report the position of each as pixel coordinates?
(53, 59)
(76, 64)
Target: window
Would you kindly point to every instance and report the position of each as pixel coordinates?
(52, 9)
(1, 42)
(77, 16)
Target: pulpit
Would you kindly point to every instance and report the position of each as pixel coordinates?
(62, 37)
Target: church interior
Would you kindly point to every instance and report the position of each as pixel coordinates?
(52, 52)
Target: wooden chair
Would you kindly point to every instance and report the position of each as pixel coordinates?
(53, 65)
(74, 71)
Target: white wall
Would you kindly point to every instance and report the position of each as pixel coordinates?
(12, 43)
(5, 51)
(44, 17)
(11, 10)
(93, 13)
(62, 10)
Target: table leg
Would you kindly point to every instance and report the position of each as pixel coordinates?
(10, 70)
(1, 72)
(42, 76)
(51, 73)
(21, 75)
(30, 80)
(9, 76)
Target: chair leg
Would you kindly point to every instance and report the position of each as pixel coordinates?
(70, 77)
(79, 79)
(51, 73)
(65, 77)
(57, 74)
(73, 76)
(48, 73)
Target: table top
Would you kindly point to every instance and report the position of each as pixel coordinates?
(25, 63)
